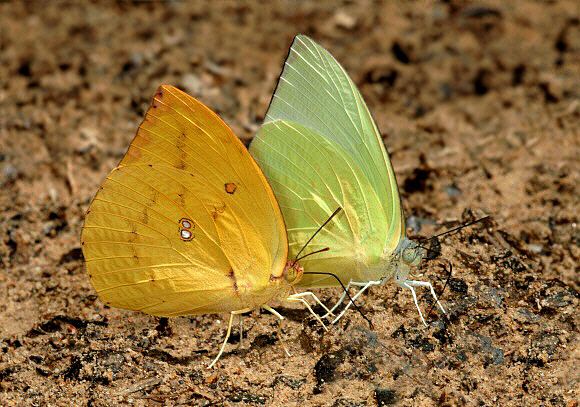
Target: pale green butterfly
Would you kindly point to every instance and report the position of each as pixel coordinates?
(320, 149)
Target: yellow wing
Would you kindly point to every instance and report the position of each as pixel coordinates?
(187, 223)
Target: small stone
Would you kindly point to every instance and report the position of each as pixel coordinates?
(344, 20)
(458, 286)
(493, 354)
(452, 190)
(10, 173)
(293, 382)
(558, 299)
(525, 315)
(385, 397)
(493, 295)
(115, 362)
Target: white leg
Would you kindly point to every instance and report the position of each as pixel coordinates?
(364, 287)
(273, 312)
(415, 283)
(340, 300)
(281, 318)
(229, 331)
(410, 287)
(306, 293)
(303, 301)
(344, 292)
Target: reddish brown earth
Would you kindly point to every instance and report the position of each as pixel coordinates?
(479, 105)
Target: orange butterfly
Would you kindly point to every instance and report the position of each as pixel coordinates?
(187, 223)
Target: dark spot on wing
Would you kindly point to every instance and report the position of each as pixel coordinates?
(133, 232)
(230, 188)
(217, 210)
(153, 198)
(232, 277)
(181, 143)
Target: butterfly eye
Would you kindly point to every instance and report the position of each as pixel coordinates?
(409, 255)
(291, 275)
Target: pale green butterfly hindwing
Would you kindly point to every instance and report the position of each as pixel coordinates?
(321, 149)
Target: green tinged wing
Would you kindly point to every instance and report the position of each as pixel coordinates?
(311, 177)
(324, 138)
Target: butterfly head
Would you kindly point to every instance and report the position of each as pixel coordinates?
(412, 254)
(293, 272)
(409, 255)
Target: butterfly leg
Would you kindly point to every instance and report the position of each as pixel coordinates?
(340, 300)
(281, 318)
(410, 287)
(303, 301)
(415, 283)
(228, 333)
(364, 287)
(344, 293)
(306, 293)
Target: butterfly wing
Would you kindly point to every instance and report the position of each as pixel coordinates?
(313, 176)
(315, 92)
(187, 223)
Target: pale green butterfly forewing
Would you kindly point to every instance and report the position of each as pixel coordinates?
(315, 91)
(311, 177)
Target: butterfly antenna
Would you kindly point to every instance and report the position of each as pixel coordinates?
(455, 229)
(318, 230)
(311, 253)
(346, 292)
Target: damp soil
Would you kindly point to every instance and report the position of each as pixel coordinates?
(479, 105)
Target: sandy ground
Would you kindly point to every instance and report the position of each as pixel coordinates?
(479, 106)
